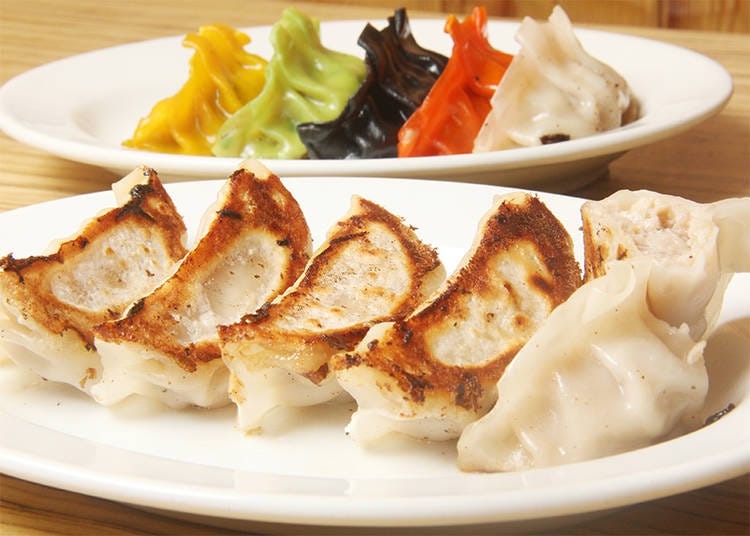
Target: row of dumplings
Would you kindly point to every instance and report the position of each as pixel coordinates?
(402, 100)
(524, 359)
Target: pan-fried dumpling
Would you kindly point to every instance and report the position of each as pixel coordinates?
(50, 303)
(253, 244)
(371, 268)
(553, 91)
(435, 371)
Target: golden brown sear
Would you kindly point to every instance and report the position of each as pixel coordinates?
(254, 243)
(116, 257)
(433, 372)
(371, 268)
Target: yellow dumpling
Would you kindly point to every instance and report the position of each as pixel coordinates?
(223, 77)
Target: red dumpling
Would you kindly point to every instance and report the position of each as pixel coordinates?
(452, 113)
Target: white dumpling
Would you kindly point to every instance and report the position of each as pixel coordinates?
(603, 375)
(619, 364)
(695, 246)
(553, 91)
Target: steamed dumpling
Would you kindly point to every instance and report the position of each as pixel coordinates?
(305, 82)
(603, 375)
(695, 246)
(223, 77)
(620, 364)
(553, 91)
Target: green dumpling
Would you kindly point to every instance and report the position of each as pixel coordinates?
(305, 82)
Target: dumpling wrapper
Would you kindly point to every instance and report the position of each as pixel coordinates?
(695, 246)
(602, 376)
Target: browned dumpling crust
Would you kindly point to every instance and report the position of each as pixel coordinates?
(116, 257)
(433, 372)
(254, 244)
(371, 268)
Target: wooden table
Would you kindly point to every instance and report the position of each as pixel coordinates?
(711, 161)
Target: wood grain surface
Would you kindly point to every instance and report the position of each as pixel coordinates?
(714, 15)
(709, 162)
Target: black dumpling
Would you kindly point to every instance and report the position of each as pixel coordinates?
(400, 74)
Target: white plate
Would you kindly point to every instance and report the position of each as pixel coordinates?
(83, 107)
(304, 470)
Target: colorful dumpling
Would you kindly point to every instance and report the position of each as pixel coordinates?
(305, 82)
(223, 77)
(453, 112)
(400, 73)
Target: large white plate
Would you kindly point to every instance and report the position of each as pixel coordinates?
(304, 469)
(83, 107)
